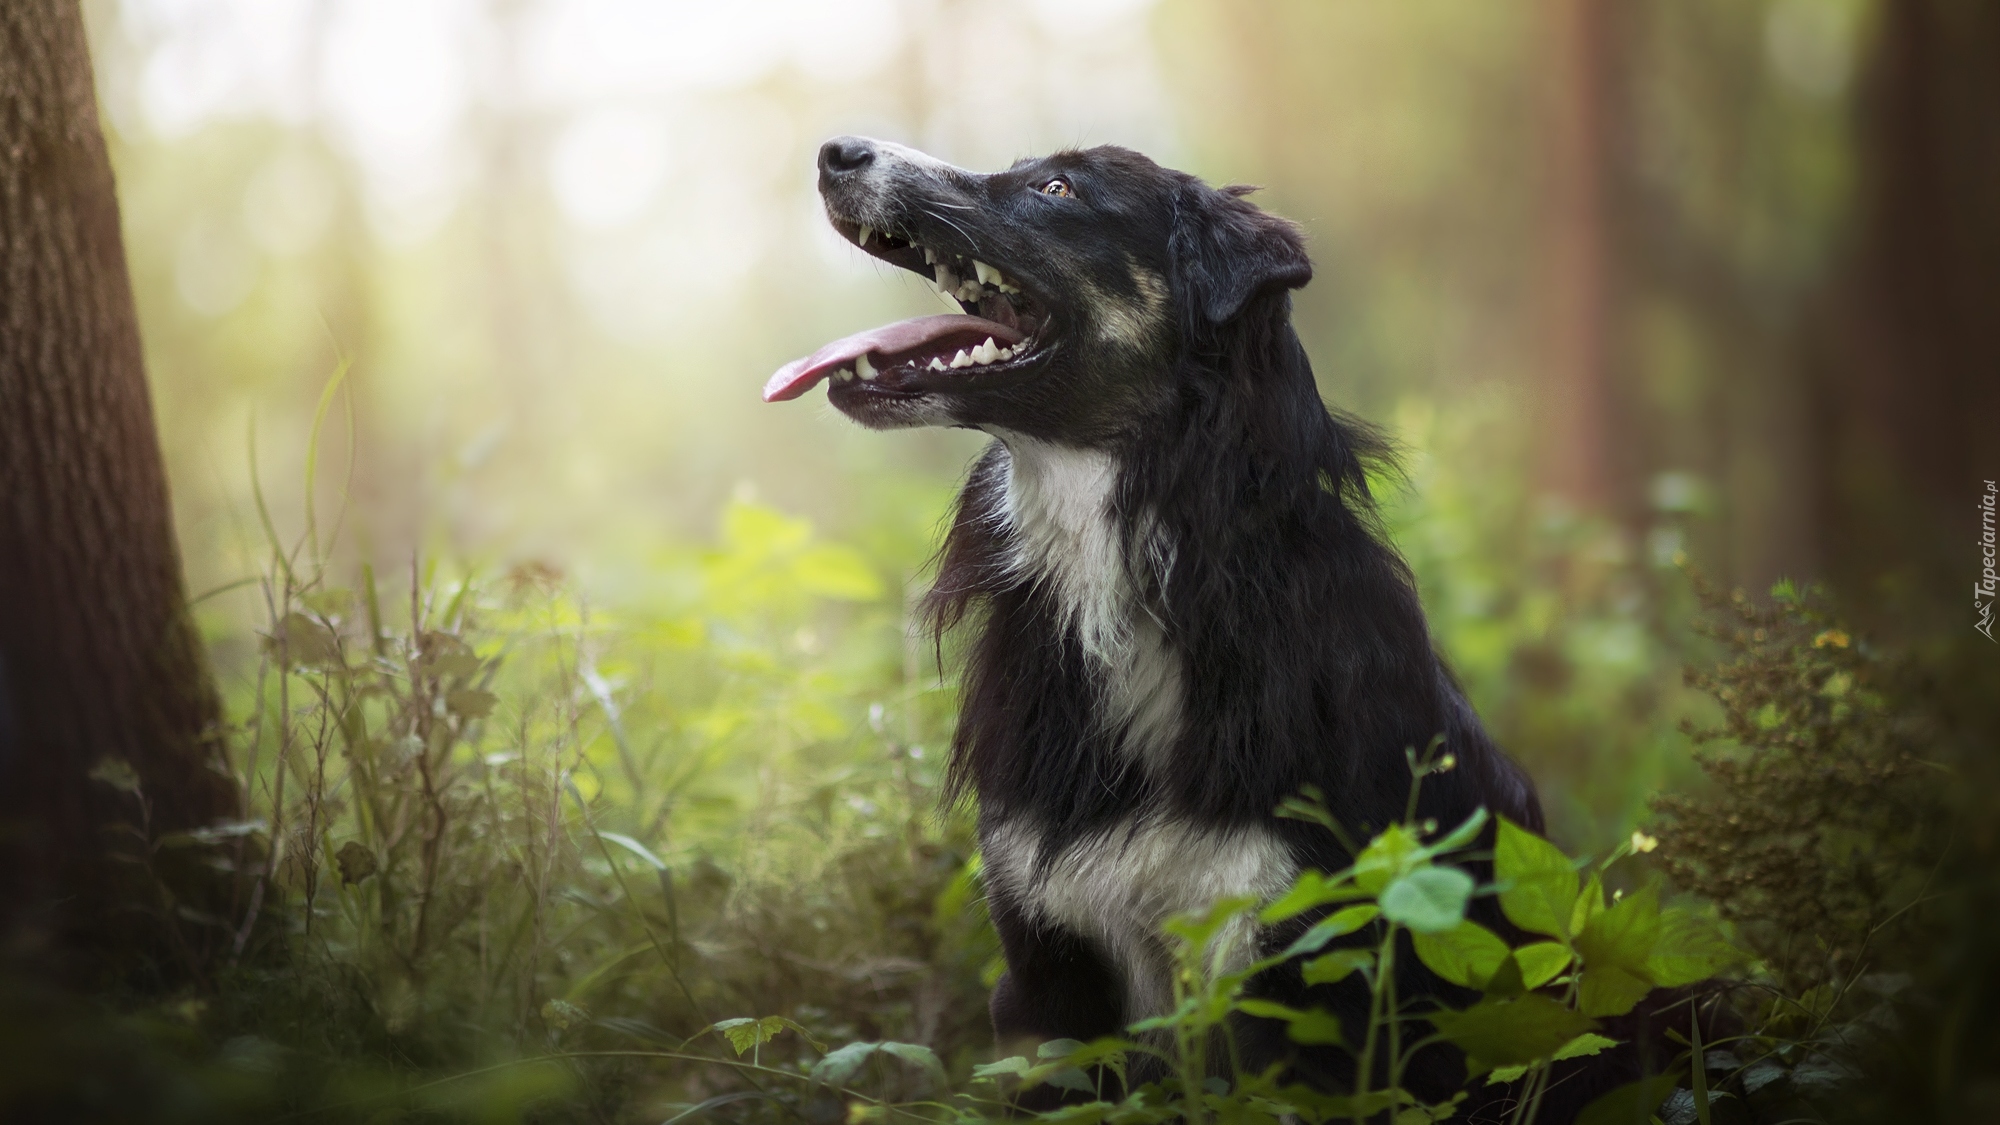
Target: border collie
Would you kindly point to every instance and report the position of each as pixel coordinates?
(1186, 612)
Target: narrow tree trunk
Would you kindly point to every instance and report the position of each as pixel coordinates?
(1575, 395)
(1909, 355)
(100, 668)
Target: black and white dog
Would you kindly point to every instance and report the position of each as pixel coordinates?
(1186, 612)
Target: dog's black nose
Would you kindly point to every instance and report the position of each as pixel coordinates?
(844, 156)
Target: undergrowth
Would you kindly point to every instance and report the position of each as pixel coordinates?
(510, 856)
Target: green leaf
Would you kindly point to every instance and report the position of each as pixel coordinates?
(1312, 1027)
(1625, 934)
(638, 849)
(470, 703)
(1699, 1071)
(1461, 836)
(1338, 924)
(1107, 1050)
(1187, 1009)
(742, 1033)
(303, 642)
(1467, 954)
(1058, 1048)
(1199, 928)
(1631, 1104)
(1337, 1107)
(1068, 1078)
(1088, 1113)
(1607, 990)
(1312, 889)
(1541, 885)
(563, 1015)
(117, 773)
(1589, 904)
(355, 861)
(1017, 1065)
(919, 1056)
(1542, 962)
(1429, 900)
(1386, 858)
(1589, 1043)
(1496, 1032)
(1266, 1009)
(1690, 948)
(1316, 1027)
(1335, 967)
(1506, 980)
(841, 1064)
(1616, 946)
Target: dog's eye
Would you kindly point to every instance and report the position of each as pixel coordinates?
(1056, 187)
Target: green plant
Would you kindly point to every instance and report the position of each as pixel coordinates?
(1823, 820)
(1598, 955)
(519, 855)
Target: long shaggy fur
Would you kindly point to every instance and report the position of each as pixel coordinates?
(1181, 607)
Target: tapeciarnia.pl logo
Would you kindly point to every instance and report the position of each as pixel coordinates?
(1988, 587)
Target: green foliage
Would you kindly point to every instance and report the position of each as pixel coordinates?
(1823, 819)
(1568, 631)
(516, 856)
(1540, 1004)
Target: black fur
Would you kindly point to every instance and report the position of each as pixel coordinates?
(1244, 503)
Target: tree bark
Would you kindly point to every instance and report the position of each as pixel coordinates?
(1575, 395)
(99, 662)
(1908, 357)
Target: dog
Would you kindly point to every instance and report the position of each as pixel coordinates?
(1186, 610)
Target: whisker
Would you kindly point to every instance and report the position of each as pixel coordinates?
(946, 220)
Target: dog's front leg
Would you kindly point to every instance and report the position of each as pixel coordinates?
(1057, 986)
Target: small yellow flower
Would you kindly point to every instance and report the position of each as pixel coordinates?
(1642, 843)
(1832, 638)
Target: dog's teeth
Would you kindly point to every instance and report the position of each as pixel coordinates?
(986, 352)
(842, 375)
(861, 239)
(1006, 353)
(961, 359)
(936, 364)
(930, 256)
(866, 368)
(946, 280)
(968, 291)
(984, 272)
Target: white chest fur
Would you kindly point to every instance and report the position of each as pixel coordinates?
(1118, 887)
(1057, 505)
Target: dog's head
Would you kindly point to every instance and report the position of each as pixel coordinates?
(1083, 277)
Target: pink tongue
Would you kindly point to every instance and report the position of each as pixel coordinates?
(797, 377)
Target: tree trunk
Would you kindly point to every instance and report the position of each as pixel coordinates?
(1909, 355)
(101, 671)
(1575, 396)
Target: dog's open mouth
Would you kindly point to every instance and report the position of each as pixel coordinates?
(1000, 330)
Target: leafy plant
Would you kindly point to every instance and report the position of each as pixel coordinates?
(1596, 955)
(1823, 819)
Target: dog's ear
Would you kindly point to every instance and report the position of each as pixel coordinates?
(1226, 250)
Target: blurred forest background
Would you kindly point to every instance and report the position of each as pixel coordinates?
(1626, 280)
(1631, 284)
